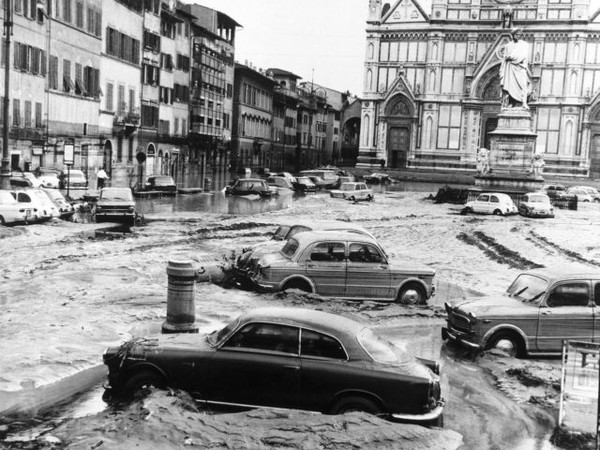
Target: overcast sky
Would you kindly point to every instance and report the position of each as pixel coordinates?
(301, 35)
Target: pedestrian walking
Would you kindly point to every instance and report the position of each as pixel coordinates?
(102, 176)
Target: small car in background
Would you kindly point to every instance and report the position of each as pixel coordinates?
(49, 178)
(65, 208)
(540, 309)
(354, 191)
(33, 180)
(536, 204)
(73, 179)
(491, 203)
(318, 182)
(284, 358)
(554, 190)
(304, 184)
(11, 211)
(288, 176)
(280, 183)
(593, 192)
(115, 205)
(341, 264)
(161, 183)
(582, 194)
(329, 176)
(251, 186)
(19, 182)
(377, 178)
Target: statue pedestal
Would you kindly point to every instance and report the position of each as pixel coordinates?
(511, 155)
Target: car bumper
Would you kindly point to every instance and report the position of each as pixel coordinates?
(246, 277)
(115, 217)
(458, 337)
(426, 417)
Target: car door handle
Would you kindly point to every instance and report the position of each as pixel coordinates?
(546, 312)
(292, 367)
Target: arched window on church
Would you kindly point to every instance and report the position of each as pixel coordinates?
(569, 138)
(366, 130)
(370, 51)
(434, 52)
(432, 81)
(573, 83)
(369, 80)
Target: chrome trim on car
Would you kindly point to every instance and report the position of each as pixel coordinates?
(456, 337)
(431, 415)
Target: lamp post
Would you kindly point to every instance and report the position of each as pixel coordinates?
(8, 26)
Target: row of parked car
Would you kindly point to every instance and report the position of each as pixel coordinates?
(33, 205)
(49, 178)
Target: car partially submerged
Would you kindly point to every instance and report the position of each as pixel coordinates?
(251, 186)
(340, 264)
(353, 191)
(116, 205)
(161, 183)
(539, 310)
(284, 358)
(536, 204)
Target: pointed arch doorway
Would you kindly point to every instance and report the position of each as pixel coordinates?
(399, 119)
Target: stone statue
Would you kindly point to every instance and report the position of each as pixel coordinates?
(537, 164)
(515, 77)
(483, 160)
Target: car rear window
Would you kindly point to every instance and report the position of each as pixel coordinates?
(328, 251)
(314, 344)
(290, 247)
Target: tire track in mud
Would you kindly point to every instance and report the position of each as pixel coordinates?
(497, 252)
(555, 249)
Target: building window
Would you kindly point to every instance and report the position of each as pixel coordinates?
(131, 100)
(119, 148)
(449, 127)
(38, 115)
(184, 127)
(166, 61)
(109, 97)
(27, 112)
(122, 46)
(16, 112)
(67, 10)
(79, 14)
(53, 73)
(176, 126)
(151, 41)
(121, 104)
(149, 116)
(150, 74)
(130, 149)
(68, 85)
(548, 130)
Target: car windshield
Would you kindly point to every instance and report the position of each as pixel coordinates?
(163, 181)
(527, 287)
(539, 199)
(116, 194)
(217, 336)
(381, 350)
(290, 247)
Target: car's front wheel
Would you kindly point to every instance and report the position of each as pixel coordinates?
(411, 294)
(466, 210)
(355, 404)
(141, 381)
(508, 342)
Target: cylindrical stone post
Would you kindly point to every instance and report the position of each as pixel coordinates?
(181, 311)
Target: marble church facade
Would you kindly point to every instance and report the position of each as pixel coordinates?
(432, 89)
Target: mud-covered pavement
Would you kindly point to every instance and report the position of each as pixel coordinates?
(69, 291)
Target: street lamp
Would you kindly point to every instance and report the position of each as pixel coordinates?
(8, 26)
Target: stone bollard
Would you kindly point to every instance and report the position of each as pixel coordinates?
(181, 311)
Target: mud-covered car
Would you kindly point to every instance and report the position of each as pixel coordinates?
(491, 203)
(284, 358)
(116, 205)
(304, 184)
(539, 310)
(161, 183)
(341, 264)
(377, 178)
(536, 204)
(354, 191)
(251, 186)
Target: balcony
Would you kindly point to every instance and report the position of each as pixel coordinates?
(127, 120)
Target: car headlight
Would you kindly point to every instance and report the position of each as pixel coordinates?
(98, 208)
(131, 208)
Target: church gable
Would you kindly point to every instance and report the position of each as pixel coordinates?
(405, 11)
(400, 84)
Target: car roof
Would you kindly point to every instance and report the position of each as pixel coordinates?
(553, 275)
(250, 179)
(304, 317)
(307, 237)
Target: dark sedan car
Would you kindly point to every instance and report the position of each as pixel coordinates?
(304, 184)
(161, 183)
(251, 186)
(285, 358)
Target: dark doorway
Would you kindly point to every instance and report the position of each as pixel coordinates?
(490, 125)
(14, 162)
(398, 141)
(108, 157)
